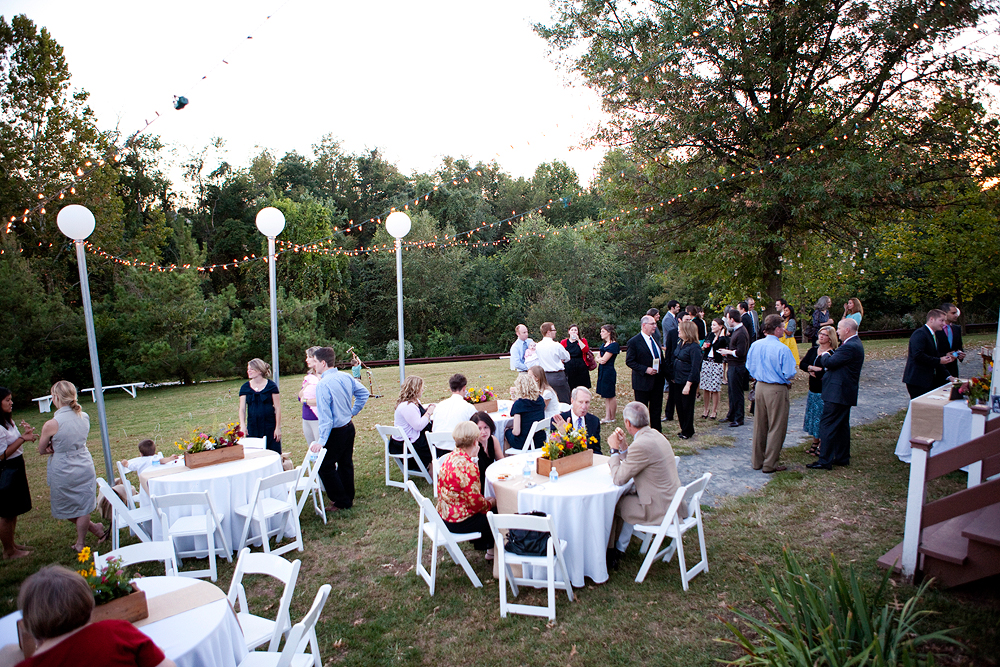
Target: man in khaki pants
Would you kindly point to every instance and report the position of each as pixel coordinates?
(771, 363)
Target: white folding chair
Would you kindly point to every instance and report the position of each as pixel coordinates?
(432, 525)
(552, 559)
(131, 495)
(253, 443)
(403, 459)
(529, 442)
(674, 526)
(122, 516)
(436, 441)
(143, 552)
(263, 507)
(258, 630)
(309, 483)
(303, 632)
(207, 524)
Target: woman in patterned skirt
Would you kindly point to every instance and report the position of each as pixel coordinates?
(711, 367)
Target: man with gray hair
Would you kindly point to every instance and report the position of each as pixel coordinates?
(840, 392)
(649, 463)
(644, 356)
(579, 416)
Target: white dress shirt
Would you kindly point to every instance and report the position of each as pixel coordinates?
(450, 412)
(551, 355)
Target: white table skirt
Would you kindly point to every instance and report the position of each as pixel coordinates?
(502, 418)
(207, 635)
(229, 484)
(957, 430)
(582, 505)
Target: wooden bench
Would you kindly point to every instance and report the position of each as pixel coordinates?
(45, 402)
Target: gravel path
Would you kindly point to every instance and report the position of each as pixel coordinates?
(882, 393)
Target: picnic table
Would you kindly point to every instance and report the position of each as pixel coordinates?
(45, 402)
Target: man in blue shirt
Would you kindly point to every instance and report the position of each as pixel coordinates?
(338, 398)
(518, 349)
(771, 363)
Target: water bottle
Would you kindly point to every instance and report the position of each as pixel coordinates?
(553, 475)
(313, 455)
(527, 472)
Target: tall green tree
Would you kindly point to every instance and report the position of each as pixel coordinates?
(760, 125)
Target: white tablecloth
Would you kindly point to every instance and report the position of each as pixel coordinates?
(502, 419)
(230, 485)
(582, 505)
(207, 635)
(957, 430)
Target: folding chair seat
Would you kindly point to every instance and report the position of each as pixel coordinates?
(204, 521)
(403, 459)
(253, 443)
(303, 632)
(436, 441)
(674, 525)
(309, 483)
(529, 442)
(432, 526)
(551, 561)
(122, 516)
(143, 552)
(259, 630)
(263, 507)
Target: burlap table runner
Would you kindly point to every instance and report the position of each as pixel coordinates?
(176, 602)
(160, 471)
(927, 414)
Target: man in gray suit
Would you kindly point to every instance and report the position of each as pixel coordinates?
(649, 462)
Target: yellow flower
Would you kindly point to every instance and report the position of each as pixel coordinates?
(93, 572)
(84, 555)
(82, 573)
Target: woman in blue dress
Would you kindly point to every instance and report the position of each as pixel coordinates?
(607, 376)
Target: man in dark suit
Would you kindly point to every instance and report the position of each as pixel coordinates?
(669, 346)
(746, 319)
(643, 356)
(736, 358)
(950, 337)
(578, 415)
(840, 391)
(926, 360)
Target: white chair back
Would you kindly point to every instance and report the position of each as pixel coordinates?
(119, 514)
(304, 632)
(433, 527)
(309, 483)
(403, 459)
(262, 507)
(130, 494)
(436, 441)
(207, 523)
(256, 629)
(675, 523)
(143, 552)
(253, 443)
(529, 442)
(553, 561)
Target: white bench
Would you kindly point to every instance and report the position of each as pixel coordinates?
(45, 402)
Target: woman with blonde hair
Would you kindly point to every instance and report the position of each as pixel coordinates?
(70, 474)
(260, 405)
(307, 397)
(413, 419)
(528, 408)
(547, 393)
(460, 499)
(827, 342)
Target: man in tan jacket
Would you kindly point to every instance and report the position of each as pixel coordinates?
(649, 463)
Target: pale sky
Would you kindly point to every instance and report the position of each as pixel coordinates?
(418, 80)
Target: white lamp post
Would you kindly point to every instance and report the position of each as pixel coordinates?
(398, 225)
(270, 222)
(77, 223)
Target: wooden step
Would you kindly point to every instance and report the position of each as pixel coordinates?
(985, 527)
(945, 541)
(892, 559)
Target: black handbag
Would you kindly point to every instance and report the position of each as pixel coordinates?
(527, 542)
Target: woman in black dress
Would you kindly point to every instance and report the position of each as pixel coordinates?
(687, 375)
(489, 446)
(260, 405)
(577, 373)
(607, 376)
(15, 497)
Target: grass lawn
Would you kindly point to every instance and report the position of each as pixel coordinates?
(380, 611)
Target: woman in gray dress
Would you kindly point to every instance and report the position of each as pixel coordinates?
(71, 477)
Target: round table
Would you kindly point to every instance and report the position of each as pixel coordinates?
(206, 635)
(581, 503)
(230, 485)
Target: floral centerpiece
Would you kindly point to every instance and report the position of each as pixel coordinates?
(114, 594)
(567, 450)
(485, 399)
(977, 390)
(204, 449)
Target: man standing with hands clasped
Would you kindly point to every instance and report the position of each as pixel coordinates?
(338, 398)
(771, 363)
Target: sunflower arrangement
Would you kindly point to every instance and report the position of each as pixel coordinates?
(109, 584)
(203, 442)
(566, 441)
(473, 395)
(976, 389)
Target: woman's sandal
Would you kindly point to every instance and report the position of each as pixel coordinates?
(104, 533)
(813, 451)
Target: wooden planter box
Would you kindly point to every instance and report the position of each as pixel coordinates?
(130, 608)
(213, 456)
(486, 406)
(566, 464)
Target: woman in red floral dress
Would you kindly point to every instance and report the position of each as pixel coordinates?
(460, 499)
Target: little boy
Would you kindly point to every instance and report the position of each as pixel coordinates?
(147, 449)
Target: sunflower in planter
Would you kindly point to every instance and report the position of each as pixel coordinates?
(566, 441)
(109, 584)
(203, 442)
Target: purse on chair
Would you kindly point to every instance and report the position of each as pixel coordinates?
(527, 542)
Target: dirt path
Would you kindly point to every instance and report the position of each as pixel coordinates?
(882, 393)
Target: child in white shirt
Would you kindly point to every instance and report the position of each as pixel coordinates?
(147, 449)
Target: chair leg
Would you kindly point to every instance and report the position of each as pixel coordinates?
(434, 564)
(211, 555)
(679, 541)
(503, 580)
(651, 553)
(551, 567)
